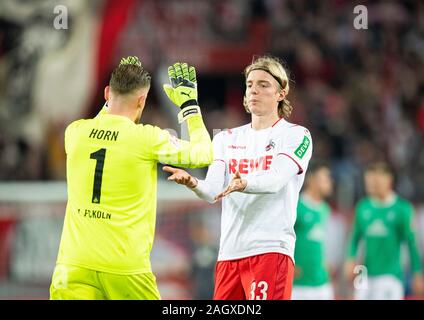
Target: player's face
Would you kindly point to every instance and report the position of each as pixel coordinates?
(378, 184)
(324, 181)
(262, 93)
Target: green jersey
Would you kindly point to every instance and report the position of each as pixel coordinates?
(309, 250)
(383, 227)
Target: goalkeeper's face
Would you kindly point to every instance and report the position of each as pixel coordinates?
(263, 93)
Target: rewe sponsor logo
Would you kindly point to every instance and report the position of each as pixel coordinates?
(245, 166)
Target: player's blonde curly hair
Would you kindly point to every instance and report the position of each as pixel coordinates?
(274, 67)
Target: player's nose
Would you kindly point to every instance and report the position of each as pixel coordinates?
(254, 89)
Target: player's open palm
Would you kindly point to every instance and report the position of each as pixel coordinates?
(236, 184)
(180, 176)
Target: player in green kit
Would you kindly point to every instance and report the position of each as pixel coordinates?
(383, 221)
(112, 162)
(311, 280)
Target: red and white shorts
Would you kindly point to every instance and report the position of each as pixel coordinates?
(266, 276)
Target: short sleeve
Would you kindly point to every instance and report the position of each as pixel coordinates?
(297, 145)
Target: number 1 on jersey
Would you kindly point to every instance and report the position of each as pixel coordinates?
(99, 155)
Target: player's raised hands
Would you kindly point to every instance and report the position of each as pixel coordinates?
(236, 184)
(180, 176)
(182, 90)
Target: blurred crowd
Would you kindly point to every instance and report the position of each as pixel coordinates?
(360, 92)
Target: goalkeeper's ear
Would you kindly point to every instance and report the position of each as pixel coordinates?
(141, 100)
(107, 92)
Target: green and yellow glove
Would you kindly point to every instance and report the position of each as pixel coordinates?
(183, 89)
(134, 60)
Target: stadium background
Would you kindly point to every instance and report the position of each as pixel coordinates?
(360, 93)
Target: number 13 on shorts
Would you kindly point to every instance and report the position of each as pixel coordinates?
(258, 290)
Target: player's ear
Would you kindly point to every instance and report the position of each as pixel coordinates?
(107, 92)
(142, 99)
(142, 96)
(281, 95)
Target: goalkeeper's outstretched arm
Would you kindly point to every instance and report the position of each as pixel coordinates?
(182, 91)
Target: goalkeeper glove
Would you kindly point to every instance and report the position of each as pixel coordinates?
(183, 89)
(131, 60)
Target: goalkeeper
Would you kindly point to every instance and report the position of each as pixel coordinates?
(111, 182)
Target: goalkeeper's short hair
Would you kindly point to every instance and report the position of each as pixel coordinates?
(130, 75)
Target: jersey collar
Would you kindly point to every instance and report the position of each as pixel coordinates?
(281, 120)
(391, 199)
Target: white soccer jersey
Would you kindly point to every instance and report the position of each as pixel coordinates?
(273, 161)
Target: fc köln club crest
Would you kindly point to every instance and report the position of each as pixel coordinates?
(270, 145)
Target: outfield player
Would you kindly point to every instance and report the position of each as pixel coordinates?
(111, 179)
(383, 221)
(258, 171)
(311, 279)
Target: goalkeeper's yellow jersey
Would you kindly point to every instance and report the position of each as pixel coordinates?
(112, 180)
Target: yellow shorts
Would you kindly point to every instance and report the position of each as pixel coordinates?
(76, 283)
